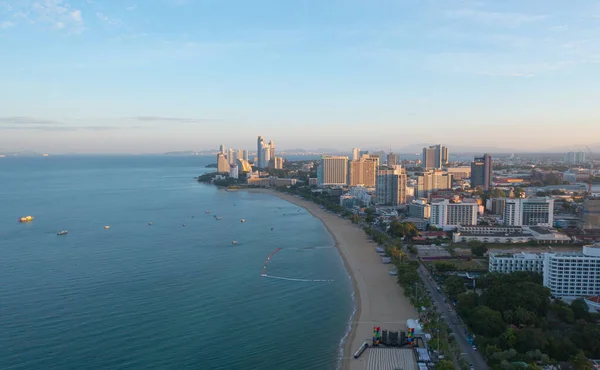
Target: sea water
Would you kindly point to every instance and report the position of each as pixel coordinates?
(173, 294)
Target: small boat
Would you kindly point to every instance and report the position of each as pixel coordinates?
(149, 223)
(106, 227)
(243, 220)
(218, 218)
(184, 225)
(26, 219)
(207, 212)
(234, 242)
(62, 232)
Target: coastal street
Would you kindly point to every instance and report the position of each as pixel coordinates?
(454, 322)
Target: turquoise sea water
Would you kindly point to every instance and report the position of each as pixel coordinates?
(160, 296)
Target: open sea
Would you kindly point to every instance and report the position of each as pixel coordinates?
(160, 296)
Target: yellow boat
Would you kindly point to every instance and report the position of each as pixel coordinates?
(26, 219)
(107, 227)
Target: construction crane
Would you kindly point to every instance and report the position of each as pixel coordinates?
(589, 192)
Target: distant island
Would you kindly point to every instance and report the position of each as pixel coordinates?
(212, 165)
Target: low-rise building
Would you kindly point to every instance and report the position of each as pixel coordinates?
(512, 262)
(271, 181)
(509, 234)
(419, 208)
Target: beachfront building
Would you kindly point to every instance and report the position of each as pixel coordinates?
(573, 275)
(332, 170)
(529, 212)
(431, 181)
(233, 171)
(507, 263)
(390, 187)
(363, 171)
(509, 234)
(222, 163)
(447, 214)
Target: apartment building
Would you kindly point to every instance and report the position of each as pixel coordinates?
(573, 275)
(447, 213)
(333, 171)
(529, 212)
(507, 263)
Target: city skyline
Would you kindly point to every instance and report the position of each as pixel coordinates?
(149, 77)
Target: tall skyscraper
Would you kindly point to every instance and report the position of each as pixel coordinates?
(240, 154)
(363, 171)
(222, 163)
(332, 170)
(260, 143)
(222, 149)
(271, 149)
(481, 172)
(390, 187)
(355, 154)
(245, 157)
(391, 159)
(575, 157)
(231, 156)
(435, 156)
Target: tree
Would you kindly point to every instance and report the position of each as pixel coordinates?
(519, 193)
(498, 193)
(369, 219)
(580, 309)
(442, 267)
(479, 251)
(579, 362)
(486, 322)
(444, 365)
(454, 285)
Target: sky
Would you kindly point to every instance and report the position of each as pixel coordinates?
(131, 76)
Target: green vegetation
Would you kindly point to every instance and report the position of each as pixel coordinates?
(402, 229)
(516, 322)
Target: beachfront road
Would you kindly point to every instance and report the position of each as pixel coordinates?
(455, 323)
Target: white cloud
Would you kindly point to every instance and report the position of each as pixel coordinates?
(131, 8)
(57, 14)
(113, 22)
(6, 24)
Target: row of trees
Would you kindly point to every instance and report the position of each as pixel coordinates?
(515, 320)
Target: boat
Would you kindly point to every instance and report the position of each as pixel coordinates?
(243, 220)
(62, 232)
(26, 219)
(234, 242)
(184, 225)
(218, 218)
(207, 212)
(149, 223)
(106, 227)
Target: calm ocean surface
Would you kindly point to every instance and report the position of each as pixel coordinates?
(160, 296)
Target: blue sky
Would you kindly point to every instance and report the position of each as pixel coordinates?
(159, 75)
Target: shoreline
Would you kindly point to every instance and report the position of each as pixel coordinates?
(379, 300)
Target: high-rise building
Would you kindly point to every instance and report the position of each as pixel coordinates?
(435, 156)
(332, 170)
(390, 187)
(260, 144)
(222, 163)
(278, 163)
(233, 171)
(575, 157)
(271, 149)
(481, 172)
(419, 208)
(355, 154)
(529, 212)
(431, 181)
(240, 154)
(391, 159)
(231, 156)
(446, 213)
(363, 171)
(245, 157)
(573, 275)
(222, 149)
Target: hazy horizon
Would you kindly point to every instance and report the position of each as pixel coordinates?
(174, 75)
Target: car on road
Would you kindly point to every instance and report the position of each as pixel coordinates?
(474, 348)
(471, 367)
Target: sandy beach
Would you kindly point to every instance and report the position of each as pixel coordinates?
(380, 301)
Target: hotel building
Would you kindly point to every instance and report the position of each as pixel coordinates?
(332, 170)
